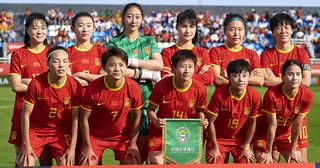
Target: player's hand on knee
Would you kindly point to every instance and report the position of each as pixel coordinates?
(68, 156)
(134, 153)
(213, 155)
(248, 154)
(295, 157)
(265, 158)
(26, 157)
(86, 156)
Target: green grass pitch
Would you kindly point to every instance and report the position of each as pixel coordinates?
(7, 155)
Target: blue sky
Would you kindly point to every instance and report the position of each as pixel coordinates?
(303, 3)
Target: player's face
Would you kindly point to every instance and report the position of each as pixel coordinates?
(282, 33)
(37, 31)
(83, 27)
(184, 70)
(239, 80)
(293, 77)
(132, 19)
(58, 64)
(235, 32)
(115, 67)
(186, 31)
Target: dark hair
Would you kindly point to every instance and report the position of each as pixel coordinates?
(32, 17)
(182, 55)
(81, 14)
(188, 16)
(234, 16)
(54, 49)
(238, 66)
(126, 8)
(281, 19)
(288, 64)
(114, 52)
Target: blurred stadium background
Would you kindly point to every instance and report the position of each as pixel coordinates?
(159, 22)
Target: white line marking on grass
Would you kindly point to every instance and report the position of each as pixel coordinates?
(2, 107)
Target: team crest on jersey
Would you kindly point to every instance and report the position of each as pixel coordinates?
(191, 103)
(182, 134)
(36, 64)
(199, 61)
(147, 50)
(13, 135)
(97, 61)
(152, 142)
(126, 102)
(66, 100)
(246, 111)
(297, 110)
(260, 143)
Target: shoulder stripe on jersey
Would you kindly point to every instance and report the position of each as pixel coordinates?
(14, 74)
(138, 108)
(256, 116)
(214, 65)
(212, 113)
(28, 102)
(153, 103)
(268, 112)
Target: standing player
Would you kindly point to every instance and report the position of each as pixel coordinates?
(50, 113)
(232, 116)
(285, 107)
(234, 29)
(188, 37)
(178, 96)
(144, 62)
(272, 60)
(85, 57)
(26, 63)
(105, 113)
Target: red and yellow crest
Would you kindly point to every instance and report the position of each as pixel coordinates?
(152, 142)
(66, 100)
(297, 110)
(13, 135)
(191, 103)
(246, 111)
(126, 102)
(199, 61)
(147, 50)
(260, 143)
(97, 61)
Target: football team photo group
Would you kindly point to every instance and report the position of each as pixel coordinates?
(73, 103)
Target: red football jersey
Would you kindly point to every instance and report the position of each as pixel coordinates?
(26, 64)
(86, 61)
(52, 105)
(233, 113)
(110, 108)
(177, 103)
(274, 59)
(202, 60)
(221, 56)
(285, 108)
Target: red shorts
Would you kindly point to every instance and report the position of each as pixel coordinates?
(154, 143)
(119, 147)
(225, 149)
(259, 142)
(15, 134)
(57, 144)
(303, 136)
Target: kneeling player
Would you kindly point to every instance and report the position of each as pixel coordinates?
(104, 113)
(232, 116)
(285, 107)
(178, 96)
(50, 113)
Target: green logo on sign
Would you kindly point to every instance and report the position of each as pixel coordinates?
(182, 134)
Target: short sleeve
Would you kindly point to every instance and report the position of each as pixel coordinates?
(307, 102)
(214, 105)
(268, 103)
(77, 90)
(155, 97)
(31, 94)
(15, 65)
(214, 57)
(256, 105)
(136, 102)
(265, 60)
(154, 46)
(87, 102)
